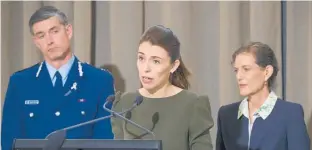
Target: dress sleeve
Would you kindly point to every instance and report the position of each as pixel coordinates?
(200, 124)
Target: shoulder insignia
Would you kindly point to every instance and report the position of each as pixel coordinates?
(39, 70)
(106, 70)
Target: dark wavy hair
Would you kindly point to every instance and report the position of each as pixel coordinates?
(166, 39)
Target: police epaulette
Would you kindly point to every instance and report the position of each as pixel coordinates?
(106, 71)
(25, 69)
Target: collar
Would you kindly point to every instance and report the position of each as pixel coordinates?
(64, 69)
(265, 109)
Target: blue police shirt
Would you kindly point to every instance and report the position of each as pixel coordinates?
(63, 70)
(33, 107)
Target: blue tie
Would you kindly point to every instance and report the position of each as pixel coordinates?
(58, 83)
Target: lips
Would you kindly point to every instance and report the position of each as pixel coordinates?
(242, 85)
(146, 80)
(52, 49)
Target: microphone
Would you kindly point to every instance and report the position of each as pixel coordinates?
(138, 101)
(155, 119)
(56, 138)
(85, 123)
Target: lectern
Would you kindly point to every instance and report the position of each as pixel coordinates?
(90, 144)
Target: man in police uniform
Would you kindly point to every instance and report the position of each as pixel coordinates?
(59, 92)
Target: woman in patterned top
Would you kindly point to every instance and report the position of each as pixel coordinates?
(261, 121)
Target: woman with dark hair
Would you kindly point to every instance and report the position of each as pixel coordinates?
(178, 117)
(261, 121)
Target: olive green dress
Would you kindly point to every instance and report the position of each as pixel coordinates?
(181, 121)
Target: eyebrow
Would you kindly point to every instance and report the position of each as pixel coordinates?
(53, 28)
(156, 57)
(242, 66)
(41, 32)
(151, 56)
(246, 66)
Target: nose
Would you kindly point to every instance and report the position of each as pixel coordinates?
(146, 66)
(49, 39)
(239, 75)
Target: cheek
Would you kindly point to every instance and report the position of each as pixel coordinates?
(42, 46)
(162, 73)
(256, 80)
(61, 39)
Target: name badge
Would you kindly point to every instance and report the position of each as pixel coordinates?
(31, 102)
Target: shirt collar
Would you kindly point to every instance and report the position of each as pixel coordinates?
(64, 70)
(265, 109)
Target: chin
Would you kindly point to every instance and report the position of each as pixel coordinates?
(149, 87)
(57, 57)
(244, 93)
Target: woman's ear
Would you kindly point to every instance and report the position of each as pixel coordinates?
(175, 66)
(268, 72)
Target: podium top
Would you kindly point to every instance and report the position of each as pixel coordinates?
(90, 144)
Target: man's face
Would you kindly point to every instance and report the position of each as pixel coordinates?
(52, 38)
